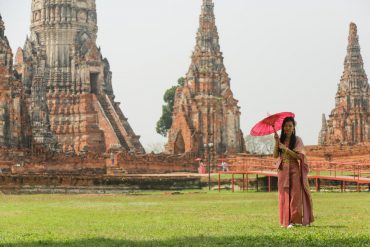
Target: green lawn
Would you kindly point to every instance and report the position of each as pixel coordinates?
(186, 219)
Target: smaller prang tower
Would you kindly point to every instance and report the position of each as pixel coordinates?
(349, 121)
(14, 125)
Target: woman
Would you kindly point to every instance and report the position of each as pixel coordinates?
(295, 203)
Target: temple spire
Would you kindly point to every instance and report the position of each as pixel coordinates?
(353, 37)
(207, 59)
(354, 77)
(207, 36)
(324, 125)
(2, 27)
(323, 131)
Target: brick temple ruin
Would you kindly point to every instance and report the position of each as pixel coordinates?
(59, 123)
(61, 130)
(65, 101)
(349, 121)
(205, 110)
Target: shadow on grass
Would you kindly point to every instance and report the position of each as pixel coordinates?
(209, 241)
(329, 226)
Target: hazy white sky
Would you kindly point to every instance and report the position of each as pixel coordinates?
(281, 55)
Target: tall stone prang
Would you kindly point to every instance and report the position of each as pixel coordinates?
(205, 110)
(14, 130)
(349, 121)
(68, 83)
(323, 131)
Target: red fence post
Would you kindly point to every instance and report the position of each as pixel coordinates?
(317, 185)
(358, 186)
(232, 182)
(269, 178)
(247, 181)
(354, 172)
(243, 182)
(219, 181)
(358, 179)
(359, 172)
(344, 186)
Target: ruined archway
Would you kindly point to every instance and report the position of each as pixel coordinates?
(179, 146)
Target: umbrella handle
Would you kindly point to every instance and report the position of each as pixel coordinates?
(275, 133)
(273, 127)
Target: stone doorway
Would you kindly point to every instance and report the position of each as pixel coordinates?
(179, 147)
(94, 82)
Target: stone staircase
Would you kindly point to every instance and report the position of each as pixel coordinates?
(134, 139)
(115, 124)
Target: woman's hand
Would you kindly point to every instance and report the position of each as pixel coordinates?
(276, 137)
(283, 147)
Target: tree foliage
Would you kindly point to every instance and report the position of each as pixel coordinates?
(165, 121)
(181, 81)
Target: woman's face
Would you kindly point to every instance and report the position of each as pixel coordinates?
(288, 128)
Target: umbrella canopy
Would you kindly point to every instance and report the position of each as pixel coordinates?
(270, 124)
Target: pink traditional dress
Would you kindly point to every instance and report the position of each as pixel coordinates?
(202, 168)
(295, 202)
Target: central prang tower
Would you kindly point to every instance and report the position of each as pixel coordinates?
(68, 83)
(205, 110)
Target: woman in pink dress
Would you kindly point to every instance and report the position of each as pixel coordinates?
(295, 203)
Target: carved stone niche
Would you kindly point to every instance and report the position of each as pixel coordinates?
(37, 4)
(81, 16)
(83, 41)
(37, 15)
(92, 17)
(82, 3)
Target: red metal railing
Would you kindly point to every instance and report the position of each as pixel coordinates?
(354, 172)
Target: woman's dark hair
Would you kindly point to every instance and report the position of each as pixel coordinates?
(293, 137)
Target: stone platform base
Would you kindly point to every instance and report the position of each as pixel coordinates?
(54, 184)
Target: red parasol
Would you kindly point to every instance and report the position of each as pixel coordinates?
(270, 124)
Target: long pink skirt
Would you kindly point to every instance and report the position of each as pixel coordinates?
(290, 194)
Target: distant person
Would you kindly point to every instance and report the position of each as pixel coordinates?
(202, 167)
(295, 203)
(224, 166)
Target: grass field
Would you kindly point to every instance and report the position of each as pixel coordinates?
(191, 218)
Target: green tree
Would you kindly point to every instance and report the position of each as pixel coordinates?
(181, 81)
(165, 121)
